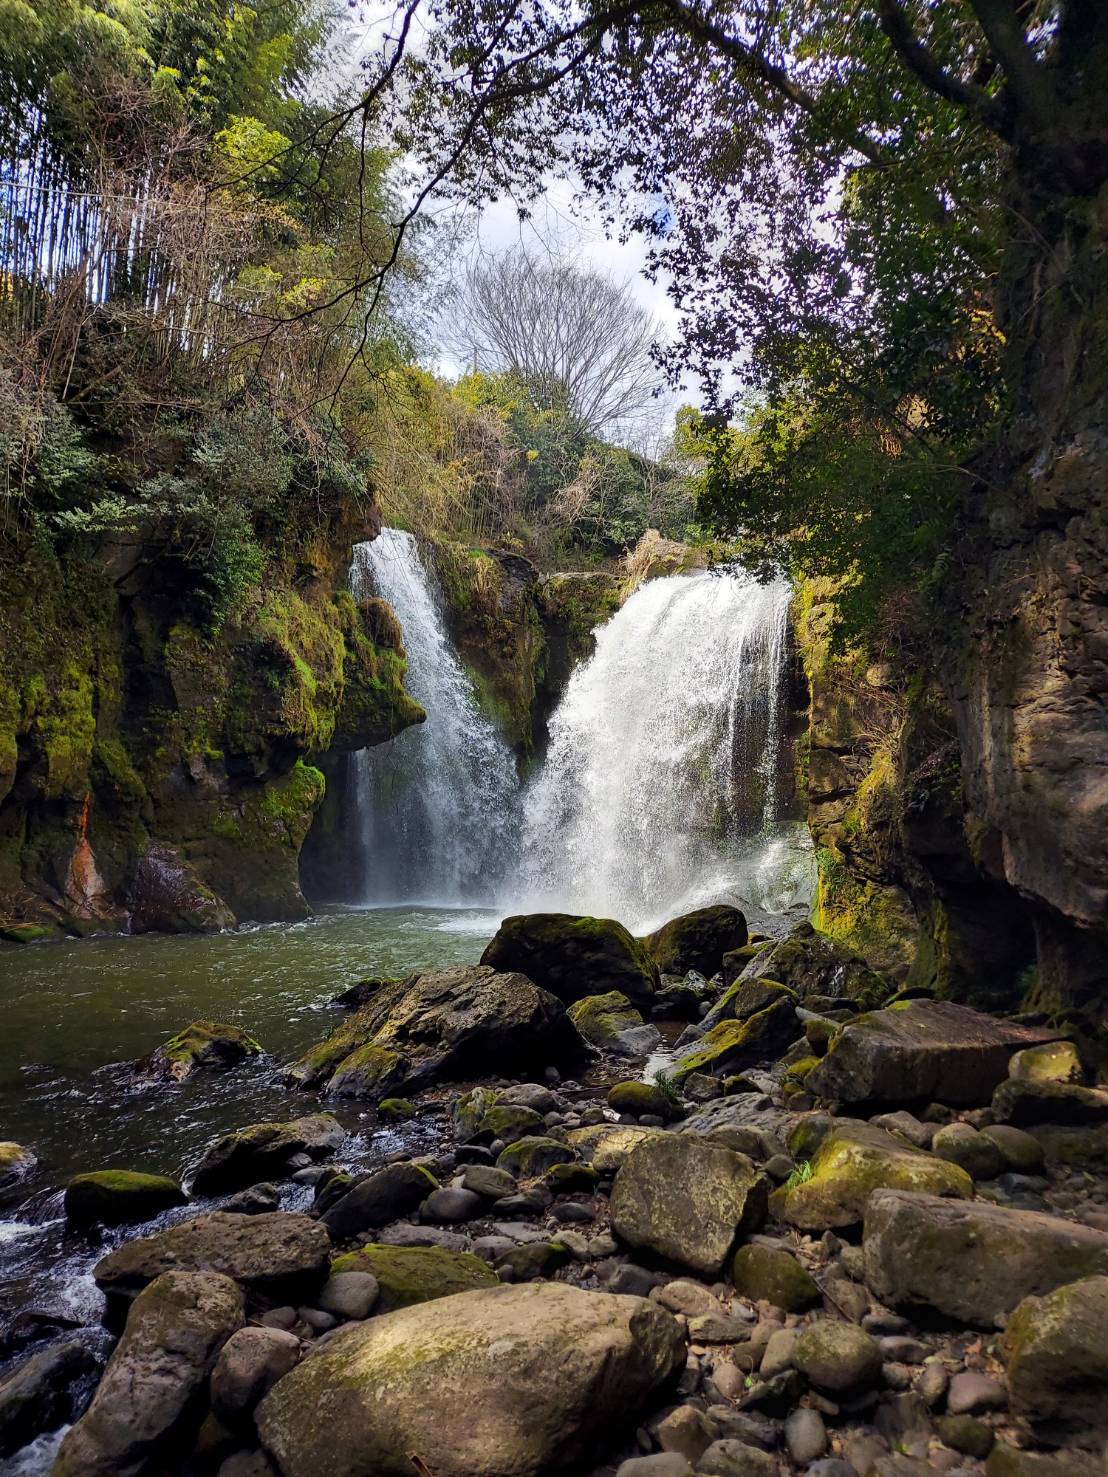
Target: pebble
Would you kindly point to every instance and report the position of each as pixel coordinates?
(571, 1212)
(683, 1295)
(686, 1431)
(350, 1295)
(972, 1391)
(317, 1319)
(729, 1381)
(450, 1205)
(628, 1278)
(805, 1435)
(932, 1384)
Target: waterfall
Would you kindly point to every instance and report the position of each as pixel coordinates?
(438, 805)
(660, 791)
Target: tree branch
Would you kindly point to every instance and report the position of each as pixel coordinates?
(1028, 84)
(928, 70)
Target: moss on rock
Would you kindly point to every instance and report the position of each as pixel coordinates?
(764, 1273)
(601, 1018)
(532, 1156)
(416, 1274)
(119, 1197)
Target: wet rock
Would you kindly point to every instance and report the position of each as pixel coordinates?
(488, 1182)
(529, 1157)
(687, 1199)
(469, 1110)
(580, 1366)
(853, 1160)
(258, 1200)
(805, 1435)
(146, 1398)
(813, 964)
(570, 1179)
(1030, 1102)
(739, 1002)
(574, 956)
(908, 1126)
(42, 1392)
(15, 1162)
(249, 1365)
(277, 1254)
(350, 1295)
(979, 1156)
(697, 940)
(972, 1263)
(918, 1051)
(263, 1150)
(763, 1273)
(394, 1191)
(210, 1046)
(407, 1275)
(438, 1027)
(359, 994)
(837, 1356)
(612, 1023)
(395, 1110)
(118, 1197)
(732, 1045)
(638, 1098)
(1057, 1358)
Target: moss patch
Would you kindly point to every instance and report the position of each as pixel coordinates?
(416, 1274)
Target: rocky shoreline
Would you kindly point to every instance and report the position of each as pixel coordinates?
(847, 1231)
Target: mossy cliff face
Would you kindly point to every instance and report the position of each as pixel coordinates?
(157, 774)
(897, 876)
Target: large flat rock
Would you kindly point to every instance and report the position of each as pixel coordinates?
(972, 1262)
(930, 1050)
(507, 1382)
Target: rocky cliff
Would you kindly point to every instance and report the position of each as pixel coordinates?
(156, 773)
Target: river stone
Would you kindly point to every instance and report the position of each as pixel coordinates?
(1022, 1102)
(508, 1122)
(574, 956)
(743, 999)
(687, 1199)
(811, 963)
(249, 1365)
(261, 1151)
(1057, 1357)
(606, 1145)
(455, 1023)
(15, 1162)
(733, 1045)
(979, 1156)
(203, 1045)
(392, 1192)
(1022, 1151)
(451, 1204)
(119, 1197)
(971, 1262)
(697, 940)
(488, 1181)
(521, 1380)
(350, 1295)
(612, 1023)
(837, 1356)
(407, 1275)
(527, 1158)
(279, 1254)
(772, 1275)
(144, 1409)
(38, 1394)
(919, 1050)
(1054, 1061)
(731, 1457)
(469, 1110)
(852, 1161)
(638, 1098)
(530, 1095)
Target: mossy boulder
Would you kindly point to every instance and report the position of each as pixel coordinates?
(638, 1098)
(740, 1001)
(573, 956)
(533, 1155)
(210, 1046)
(812, 963)
(524, 1380)
(733, 1046)
(612, 1023)
(773, 1275)
(15, 1162)
(837, 1357)
(571, 1179)
(509, 1122)
(852, 1161)
(533, 1260)
(687, 1199)
(919, 1050)
(971, 1262)
(1053, 1061)
(1022, 1151)
(395, 1110)
(119, 1197)
(1057, 1358)
(408, 1275)
(697, 940)
(736, 960)
(979, 1155)
(469, 1109)
(1022, 1101)
(371, 1071)
(606, 1145)
(262, 1151)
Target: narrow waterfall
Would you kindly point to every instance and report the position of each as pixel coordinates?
(438, 805)
(660, 791)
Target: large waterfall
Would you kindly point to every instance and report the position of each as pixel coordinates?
(438, 805)
(660, 790)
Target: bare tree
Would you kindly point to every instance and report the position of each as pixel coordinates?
(575, 338)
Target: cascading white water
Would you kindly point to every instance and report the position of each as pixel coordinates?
(660, 788)
(438, 806)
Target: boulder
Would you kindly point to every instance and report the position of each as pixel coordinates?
(1012, 1461)
(919, 1050)
(118, 1197)
(687, 1199)
(262, 1151)
(439, 1027)
(15, 1162)
(1054, 1061)
(837, 1356)
(852, 1161)
(348, 1295)
(1022, 1101)
(210, 1046)
(149, 1402)
(1057, 1358)
(392, 1192)
(1022, 1151)
(407, 1275)
(531, 1156)
(42, 1392)
(811, 963)
(523, 1380)
(249, 1365)
(612, 1023)
(971, 1262)
(278, 1254)
(979, 1156)
(773, 1275)
(638, 1098)
(733, 1046)
(469, 1110)
(739, 1002)
(573, 956)
(604, 1146)
(697, 940)
(507, 1122)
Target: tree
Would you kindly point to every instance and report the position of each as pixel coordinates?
(575, 338)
